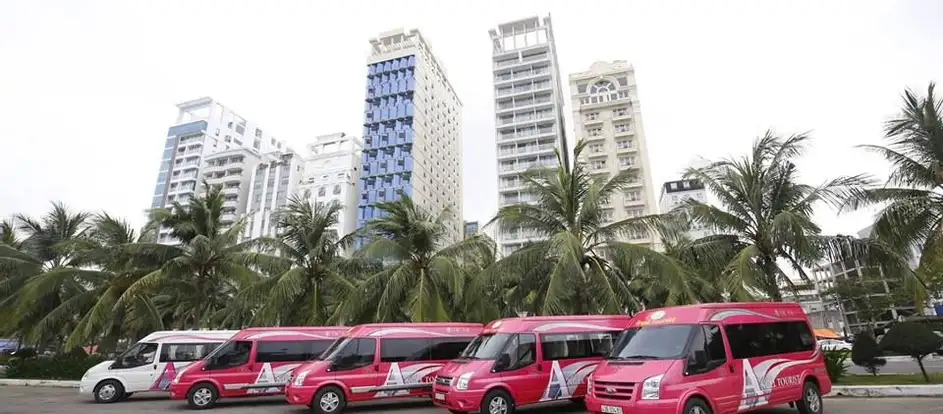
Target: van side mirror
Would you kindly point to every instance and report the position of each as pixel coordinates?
(698, 361)
(503, 363)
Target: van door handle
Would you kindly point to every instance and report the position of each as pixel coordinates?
(376, 368)
(730, 367)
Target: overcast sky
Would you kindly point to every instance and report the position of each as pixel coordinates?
(88, 89)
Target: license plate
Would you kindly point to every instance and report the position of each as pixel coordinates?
(611, 409)
(441, 396)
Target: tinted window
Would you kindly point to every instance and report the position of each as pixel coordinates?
(653, 342)
(186, 352)
(762, 339)
(714, 343)
(286, 351)
(138, 355)
(354, 353)
(444, 349)
(578, 345)
(407, 349)
(521, 351)
(231, 354)
(486, 346)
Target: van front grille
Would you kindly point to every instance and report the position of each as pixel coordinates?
(613, 390)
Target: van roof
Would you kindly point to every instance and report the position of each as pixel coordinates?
(731, 312)
(188, 336)
(413, 330)
(559, 324)
(287, 333)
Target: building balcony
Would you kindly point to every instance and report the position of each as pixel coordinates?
(592, 121)
(511, 137)
(624, 133)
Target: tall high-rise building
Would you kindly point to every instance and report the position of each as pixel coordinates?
(528, 103)
(275, 177)
(232, 171)
(203, 127)
(412, 130)
(332, 170)
(607, 114)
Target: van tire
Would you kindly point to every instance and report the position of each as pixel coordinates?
(329, 400)
(696, 405)
(108, 391)
(499, 398)
(811, 400)
(202, 396)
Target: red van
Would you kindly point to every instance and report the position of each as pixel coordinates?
(377, 361)
(254, 362)
(521, 361)
(712, 358)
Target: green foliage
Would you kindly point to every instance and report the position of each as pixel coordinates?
(835, 364)
(866, 353)
(913, 339)
(64, 367)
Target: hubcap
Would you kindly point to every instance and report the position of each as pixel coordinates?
(329, 401)
(107, 392)
(202, 396)
(498, 406)
(813, 400)
(697, 410)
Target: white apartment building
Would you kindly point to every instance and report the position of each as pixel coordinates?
(674, 193)
(412, 131)
(275, 177)
(232, 170)
(203, 127)
(607, 114)
(331, 173)
(528, 103)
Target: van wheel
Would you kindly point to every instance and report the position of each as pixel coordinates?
(202, 396)
(497, 402)
(108, 391)
(811, 402)
(328, 400)
(696, 406)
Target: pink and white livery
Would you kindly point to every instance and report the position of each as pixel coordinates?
(722, 358)
(255, 362)
(523, 361)
(379, 361)
(150, 364)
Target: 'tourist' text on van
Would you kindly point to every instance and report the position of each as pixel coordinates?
(255, 362)
(379, 361)
(150, 364)
(521, 361)
(712, 358)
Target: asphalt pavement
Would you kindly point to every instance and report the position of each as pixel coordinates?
(901, 367)
(41, 400)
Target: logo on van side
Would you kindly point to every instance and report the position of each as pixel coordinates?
(759, 381)
(163, 380)
(563, 382)
(413, 374)
(276, 377)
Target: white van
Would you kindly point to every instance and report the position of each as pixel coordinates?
(150, 364)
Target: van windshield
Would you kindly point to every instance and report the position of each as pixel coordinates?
(488, 346)
(330, 349)
(652, 342)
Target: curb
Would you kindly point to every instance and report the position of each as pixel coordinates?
(39, 383)
(909, 359)
(887, 391)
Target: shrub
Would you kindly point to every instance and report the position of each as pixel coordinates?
(60, 367)
(24, 353)
(866, 353)
(835, 364)
(914, 339)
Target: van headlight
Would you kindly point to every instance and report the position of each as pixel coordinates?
(462, 382)
(300, 379)
(651, 388)
(178, 376)
(589, 382)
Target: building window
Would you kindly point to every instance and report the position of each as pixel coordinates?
(619, 112)
(626, 161)
(322, 191)
(598, 164)
(595, 132)
(622, 128)
(592, 116)
(624, 144)
(337, 188)
(633, 195)
(596, 148)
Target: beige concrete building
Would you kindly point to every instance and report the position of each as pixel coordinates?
(607, 114)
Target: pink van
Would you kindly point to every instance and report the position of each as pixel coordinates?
(254, 362)
(523, 361)
(719, 358)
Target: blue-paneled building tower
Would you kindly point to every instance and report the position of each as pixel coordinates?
(412, 131)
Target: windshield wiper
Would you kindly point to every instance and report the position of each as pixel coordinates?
(636, 357)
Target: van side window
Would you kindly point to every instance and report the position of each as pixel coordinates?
(186, 352)
(576, 345)
(761, 339)
(138, 355)
(444, 349)
(288, 351)
(522, 351)
(407, 349)
(714, 344)
(232, 354)
(359, 352)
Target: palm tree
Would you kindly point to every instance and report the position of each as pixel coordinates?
(310, 277)
(580, 264)
(423, 277)
(767, 213)
(27, 291)
(201, 274)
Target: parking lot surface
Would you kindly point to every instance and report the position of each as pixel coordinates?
(40, 400)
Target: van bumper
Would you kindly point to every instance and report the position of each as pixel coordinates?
(178, 391)
(452, 399)
(299, 395)
(669, 406)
